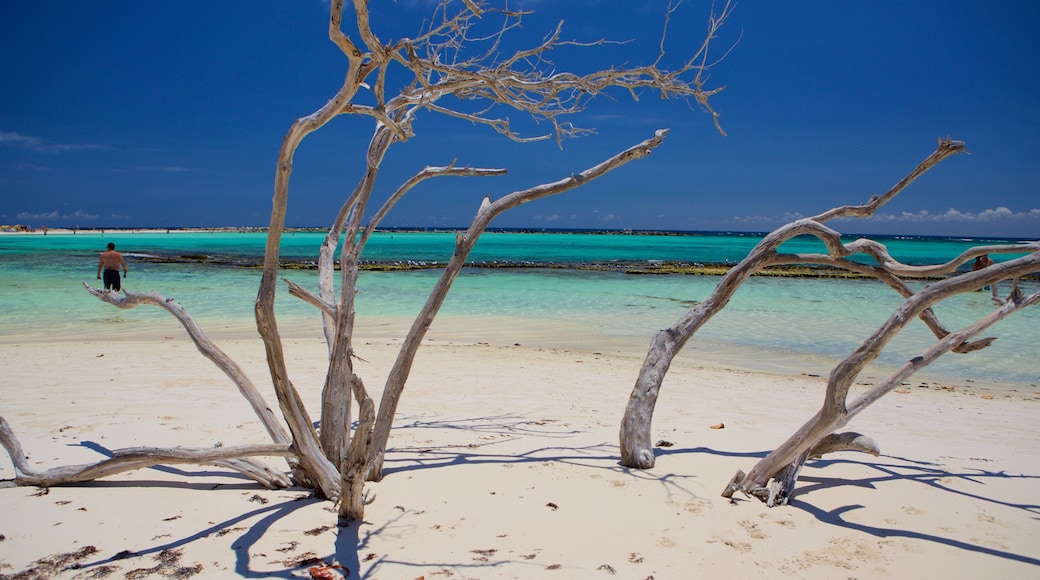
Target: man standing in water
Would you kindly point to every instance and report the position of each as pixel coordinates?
(984, 261)
(111, 260)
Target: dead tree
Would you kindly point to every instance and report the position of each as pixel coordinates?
(455, 67)
(817, 436)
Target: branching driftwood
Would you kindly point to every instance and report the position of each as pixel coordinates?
(523, 82)
(817, 436)
(782, 464)
(457, 69)
(141, 457)
(207, 347)
(235, 458)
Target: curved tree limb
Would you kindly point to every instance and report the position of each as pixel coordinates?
(946, 148)
(310, 298)
(880, 253)
(426, 173)
(464, 243)
(340, 377)
(887, 273)
(835, 414)
(206, 346)
(451, 57)
(133, 458)
(316, 468)
(522, 81)
(336, 416)
(635, 437)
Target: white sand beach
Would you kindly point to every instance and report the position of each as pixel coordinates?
(504, 464)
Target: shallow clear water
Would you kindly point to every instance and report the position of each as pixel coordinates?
(42, 297)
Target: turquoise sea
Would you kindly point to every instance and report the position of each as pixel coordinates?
(788, 324)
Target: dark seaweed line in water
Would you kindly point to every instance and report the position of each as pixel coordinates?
(657, 267)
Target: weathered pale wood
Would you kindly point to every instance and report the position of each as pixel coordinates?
(896, 283)
(207, 347)
(316, 469)
(850, 441)
(327, 458)
(543, 94)
(510, 81)
(774, 478)
(463, 245)
(336, 392)
(355, 469)
(133, 458)
(836, 413)
(635, 436)
(780, 488)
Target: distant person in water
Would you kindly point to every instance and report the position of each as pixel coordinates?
(110, 262)
(984, 261)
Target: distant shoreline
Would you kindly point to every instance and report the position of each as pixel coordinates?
(262, 229)
(103, 231)
(638, 267)
(6, 230)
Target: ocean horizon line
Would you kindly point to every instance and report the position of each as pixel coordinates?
(44, 230)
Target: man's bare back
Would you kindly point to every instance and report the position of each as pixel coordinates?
(111, 261)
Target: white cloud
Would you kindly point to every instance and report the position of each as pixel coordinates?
(55, 215)
(767, 219)
(16, 140)
(951, 215)
(955, 215)
(13, 139)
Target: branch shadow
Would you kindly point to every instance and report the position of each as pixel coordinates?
(352, 538)
(662, 452)
(925, 473)
(241, 547)
(492, 424)
(835, 517)
(509, 428)
(603, 457)
(922, 472)
(351, 543)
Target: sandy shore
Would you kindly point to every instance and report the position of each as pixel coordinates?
(504, 464)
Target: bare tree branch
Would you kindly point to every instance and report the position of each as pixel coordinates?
(458, 66)
(141, 457)
(206, 346)
(835, 414)
(635, 436)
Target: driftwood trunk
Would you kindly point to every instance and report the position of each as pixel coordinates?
(837, 412)
(207, 347)
(817, 435)
(635, 433)
(129, 459)
(463, 245)
(356, 465)
(455, 54)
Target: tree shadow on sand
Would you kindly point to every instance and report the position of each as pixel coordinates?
(930, 474)
(352, 540)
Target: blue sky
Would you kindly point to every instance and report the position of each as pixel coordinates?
(138, 114)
